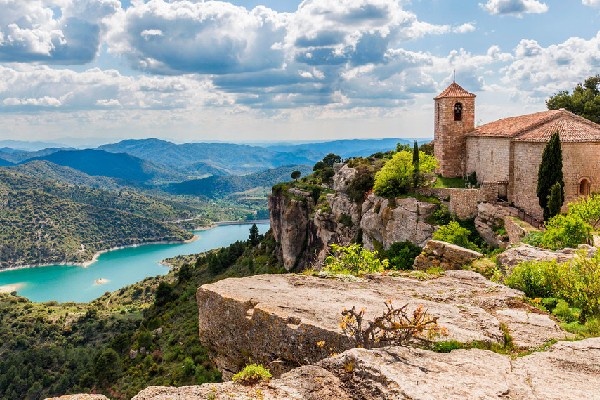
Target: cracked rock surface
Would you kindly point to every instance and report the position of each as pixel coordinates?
(277, 320)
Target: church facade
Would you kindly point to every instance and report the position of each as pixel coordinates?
(507, 153)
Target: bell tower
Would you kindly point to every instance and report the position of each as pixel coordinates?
(454, 118)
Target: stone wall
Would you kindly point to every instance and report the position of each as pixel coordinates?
(489, 157)
(449, 135)
(580, 160)
(463, 202)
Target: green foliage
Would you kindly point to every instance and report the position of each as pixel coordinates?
(555, 200)
(588, 209)
(331, 159)
(252, 374)
(566, 231)
(584, 101)
(345, 220)
(362, 183)
(397, 175)
(456, 234)
(427, 148)
(576, 282)
(401, 255)
(550, 172)
(254, 237)
(295, 174)
(416, 165)
(353, 260)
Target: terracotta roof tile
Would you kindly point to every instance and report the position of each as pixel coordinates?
(454, 90)
(540, 126)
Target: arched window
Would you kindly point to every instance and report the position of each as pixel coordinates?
(458, 112)
(585, 187)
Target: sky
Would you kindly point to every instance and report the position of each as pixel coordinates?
(279, 70)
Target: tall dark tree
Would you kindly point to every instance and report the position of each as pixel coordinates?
(331, 159)
(555, 200)
(254, 237)
(584, 101)
(550, 172)
(416, 173)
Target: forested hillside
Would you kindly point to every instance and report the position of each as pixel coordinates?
(45, 222)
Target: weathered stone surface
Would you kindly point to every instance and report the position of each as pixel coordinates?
(489, 218)
(516, 229)
(566, 371)
(277, 320)
(80, 397)
(387, 223)
(444, 255)
(524, 252)
(529, 328)
(304, 383)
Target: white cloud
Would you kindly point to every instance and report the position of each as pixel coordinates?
(53, 31)
(515, 7)
(591, 3)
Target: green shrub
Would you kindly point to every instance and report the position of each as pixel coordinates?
(576, 282)
(538, 279)
(345, 220)
(565, 313)
(362, 183)
(455, 234)
(396, 176)
(252, 374)
(353, 260)
(534, 238)
(401, 255)
(441, 216)
(566, 231)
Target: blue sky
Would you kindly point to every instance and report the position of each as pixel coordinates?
(246, 70)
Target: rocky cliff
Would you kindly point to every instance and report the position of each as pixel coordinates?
(304, 229)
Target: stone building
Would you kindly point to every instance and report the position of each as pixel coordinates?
(506, 154)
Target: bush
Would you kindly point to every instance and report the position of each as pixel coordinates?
(401, 255)
(395, 327)
(576, 282)
(455, 234)
(354, 260)
(566, 231)
(252, 374)
(362, 182)
(396, 176)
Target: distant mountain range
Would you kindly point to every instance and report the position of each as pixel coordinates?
(221, 186)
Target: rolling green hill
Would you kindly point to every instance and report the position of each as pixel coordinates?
(124, 168)
(46, 222)
(221, 186)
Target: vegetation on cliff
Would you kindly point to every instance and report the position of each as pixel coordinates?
(142, 335)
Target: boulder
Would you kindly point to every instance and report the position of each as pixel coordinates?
(285, 321)
(566, 371)
(444, 255)
(516, 229)
(490, 218)
(400, 220)
(524, 252)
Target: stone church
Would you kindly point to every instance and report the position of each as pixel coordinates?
(506, 154)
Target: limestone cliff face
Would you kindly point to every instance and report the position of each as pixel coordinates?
(305, 231)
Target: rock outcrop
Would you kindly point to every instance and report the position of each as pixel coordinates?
(524, 252)
(305, 231)
(80, 397)
(278, 320)
(444, 255)
(566, 371)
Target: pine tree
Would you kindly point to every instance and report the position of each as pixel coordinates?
(555, 200)
(415, 160)
(550, 173)
(253, 238)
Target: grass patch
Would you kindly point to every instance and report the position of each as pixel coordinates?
(442, 182)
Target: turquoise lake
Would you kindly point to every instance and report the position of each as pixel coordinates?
(120, 267)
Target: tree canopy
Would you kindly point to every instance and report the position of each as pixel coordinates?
(584, 101)
(397, 175)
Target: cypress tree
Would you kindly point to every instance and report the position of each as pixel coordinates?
(555, 200)
(550, 173)
(415, 161)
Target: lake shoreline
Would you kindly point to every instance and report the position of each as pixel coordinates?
(94, 259)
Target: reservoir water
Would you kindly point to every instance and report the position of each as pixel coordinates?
(117, 268)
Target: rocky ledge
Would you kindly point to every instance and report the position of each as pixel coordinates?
(286, 321)
(565, 371)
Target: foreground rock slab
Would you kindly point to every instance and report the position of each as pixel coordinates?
(444, 255)
(285, 321)
(566, 371)
(80, 397)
